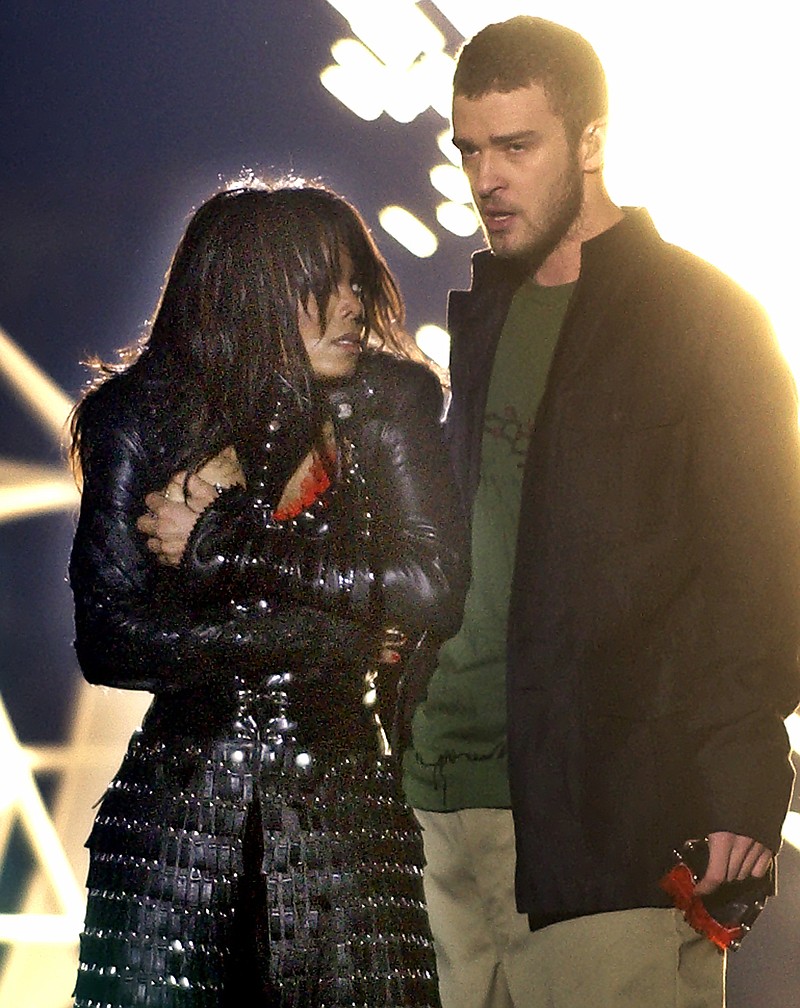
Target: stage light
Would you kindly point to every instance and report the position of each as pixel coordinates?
(451, 182)
(444, 141)
(434, 341)
(405, 228)
(408, 91)
(41, 395)
(27, 489)
(356, 80)
(793, 730)
(395, 30)
(457, 218)
(37, 498)
(791, 829)
(22, 803)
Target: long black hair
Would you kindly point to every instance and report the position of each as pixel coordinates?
(226, 322)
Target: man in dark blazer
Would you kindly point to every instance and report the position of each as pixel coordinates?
(624, 431)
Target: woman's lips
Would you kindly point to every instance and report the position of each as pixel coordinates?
(351, 342)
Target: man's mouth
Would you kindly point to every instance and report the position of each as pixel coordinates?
(496, 219)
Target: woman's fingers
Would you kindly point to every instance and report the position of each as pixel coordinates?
(223, 470)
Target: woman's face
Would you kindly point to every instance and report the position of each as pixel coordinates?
(334, 351)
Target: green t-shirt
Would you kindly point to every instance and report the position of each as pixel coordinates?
(458, 755)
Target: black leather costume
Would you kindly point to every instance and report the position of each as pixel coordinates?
(257, 751)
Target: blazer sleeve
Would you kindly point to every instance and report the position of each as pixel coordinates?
(747, 475)
(135, 628)
(406, 568)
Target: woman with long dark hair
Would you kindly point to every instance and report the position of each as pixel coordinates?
(252, 848)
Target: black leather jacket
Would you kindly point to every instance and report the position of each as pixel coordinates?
(142, 626)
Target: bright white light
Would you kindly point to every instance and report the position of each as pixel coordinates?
(407, 229)
(42, 396)
(395, 30)
(435, 342)
(451, 182)
(793, 729)
(40, 929)
(427, 83)
(30, 499)
(368, 87)
(439, 69)
(409, 91)
(791, 829)
(351, 93)
(445, 143)
(358, 80)
(458, 219)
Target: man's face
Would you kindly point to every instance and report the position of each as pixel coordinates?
(525, 177)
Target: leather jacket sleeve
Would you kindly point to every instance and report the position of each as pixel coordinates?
(135, 628)
(404, 567)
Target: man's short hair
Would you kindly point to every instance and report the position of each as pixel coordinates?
(528, 50)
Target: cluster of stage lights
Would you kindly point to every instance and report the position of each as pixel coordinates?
(396, 64)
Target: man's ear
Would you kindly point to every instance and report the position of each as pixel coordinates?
(592, 146)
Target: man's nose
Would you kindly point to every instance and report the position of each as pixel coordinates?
(486, 177)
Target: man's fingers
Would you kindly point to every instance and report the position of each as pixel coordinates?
(761, 867)
(749, 861)
(717, 870)
(731, 857)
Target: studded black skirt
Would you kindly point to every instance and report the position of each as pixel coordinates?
(271, 864)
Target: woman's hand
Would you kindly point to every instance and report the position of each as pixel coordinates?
(172, 513)
(171, 516)
(223, 470)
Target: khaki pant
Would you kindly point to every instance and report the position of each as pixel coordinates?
(488, 958)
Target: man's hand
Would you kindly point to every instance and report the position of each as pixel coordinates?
(732, 857)
(172, 512)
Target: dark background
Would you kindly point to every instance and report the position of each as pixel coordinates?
(116, 119)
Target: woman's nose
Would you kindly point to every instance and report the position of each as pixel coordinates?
(349, 301)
